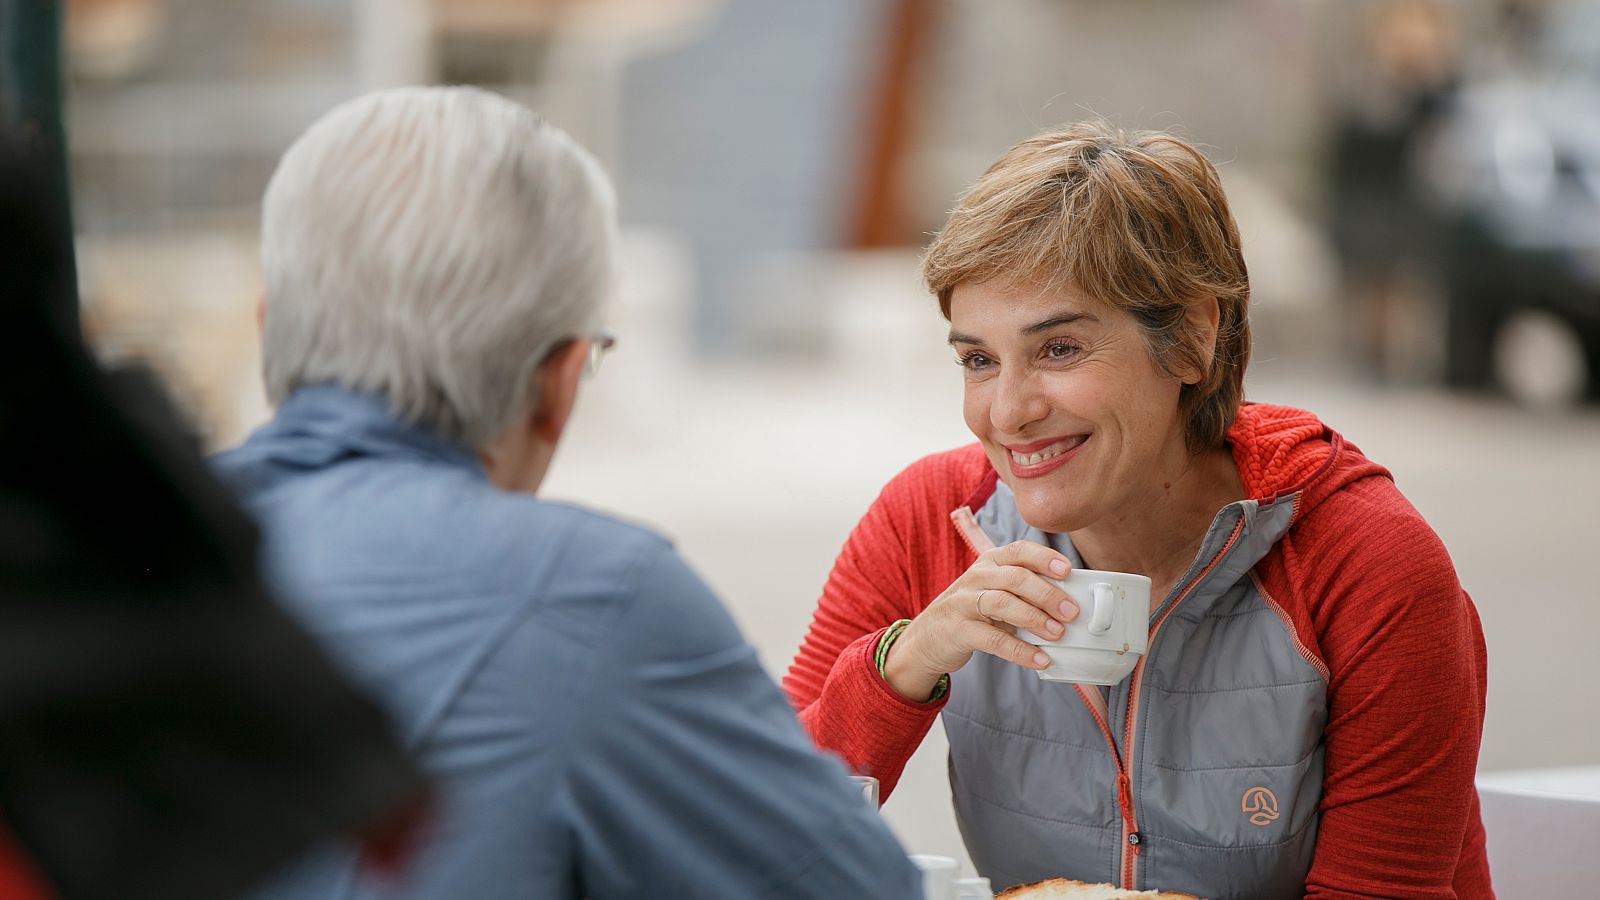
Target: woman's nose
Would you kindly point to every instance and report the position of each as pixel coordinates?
(1017, 403)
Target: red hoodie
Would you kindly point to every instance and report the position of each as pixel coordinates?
(1367, 593)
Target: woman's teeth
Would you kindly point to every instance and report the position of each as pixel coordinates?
(1048, 453)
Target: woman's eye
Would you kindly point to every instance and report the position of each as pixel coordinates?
(1060, 350)
(974, 361)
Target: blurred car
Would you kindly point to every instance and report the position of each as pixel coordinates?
(1514, 168)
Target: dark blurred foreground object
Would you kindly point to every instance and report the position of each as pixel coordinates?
(30, 121)
(165, 731)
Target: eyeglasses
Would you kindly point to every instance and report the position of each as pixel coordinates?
(599, 345)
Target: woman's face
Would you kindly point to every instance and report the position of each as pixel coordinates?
(1073, 412)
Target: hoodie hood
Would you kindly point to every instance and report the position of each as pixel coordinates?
(1284, 452)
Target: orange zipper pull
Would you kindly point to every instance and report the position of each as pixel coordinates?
(971, 531)
(1125, 805)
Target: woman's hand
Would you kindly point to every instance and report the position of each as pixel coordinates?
(980, 612)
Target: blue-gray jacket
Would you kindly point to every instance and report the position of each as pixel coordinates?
(596, 724)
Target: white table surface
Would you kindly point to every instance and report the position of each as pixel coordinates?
(1540, 825)
(1571, 782)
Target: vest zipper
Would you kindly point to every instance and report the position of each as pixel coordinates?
(1131, 838)
(1097, 710)
(971, 533)
(967, 525)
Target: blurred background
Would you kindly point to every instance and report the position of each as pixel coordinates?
(1418, 186)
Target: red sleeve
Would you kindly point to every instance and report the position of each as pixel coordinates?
(899, 557)
(1406, 665)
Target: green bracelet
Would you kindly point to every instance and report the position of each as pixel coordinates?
(881, 656)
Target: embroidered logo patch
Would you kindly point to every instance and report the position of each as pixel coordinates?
(1260, 805)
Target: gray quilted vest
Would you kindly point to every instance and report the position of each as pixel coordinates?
(1202, 772)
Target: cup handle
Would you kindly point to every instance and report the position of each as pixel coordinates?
(1104, 609)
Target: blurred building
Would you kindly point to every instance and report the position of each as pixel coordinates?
(749, 138)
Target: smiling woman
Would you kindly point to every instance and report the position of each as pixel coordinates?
(1309, 643)
(1139, 224)
(1077, 416)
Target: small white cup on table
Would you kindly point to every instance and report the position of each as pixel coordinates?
(938, 876)
(869, 789)
(973, 889)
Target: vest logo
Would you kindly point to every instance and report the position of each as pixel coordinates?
(1260, 805)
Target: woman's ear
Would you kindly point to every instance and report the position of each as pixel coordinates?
(1201, 320)
(556, 389)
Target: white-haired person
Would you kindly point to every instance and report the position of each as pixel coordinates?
(435, 263)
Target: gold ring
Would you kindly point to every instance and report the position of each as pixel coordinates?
(985, 616)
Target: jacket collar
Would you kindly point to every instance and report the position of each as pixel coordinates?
(320, 424)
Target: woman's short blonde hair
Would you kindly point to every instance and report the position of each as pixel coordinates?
(1136, 220)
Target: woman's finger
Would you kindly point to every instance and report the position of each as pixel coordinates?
(986, 638)
(1055, 602)
(1008, 608)
(1031, 555)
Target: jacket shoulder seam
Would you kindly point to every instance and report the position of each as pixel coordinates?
(1312, 659)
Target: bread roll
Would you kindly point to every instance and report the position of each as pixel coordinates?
(1066, 889)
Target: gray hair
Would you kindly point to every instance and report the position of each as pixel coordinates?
(432, 246)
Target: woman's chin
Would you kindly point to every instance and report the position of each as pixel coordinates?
(1052, 518)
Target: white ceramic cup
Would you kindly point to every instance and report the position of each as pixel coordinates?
(973, 889)
(1112, 630)
(938, 876)
(869, 789)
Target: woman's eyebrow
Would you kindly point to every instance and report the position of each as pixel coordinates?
(1054, 321)
(957, 337)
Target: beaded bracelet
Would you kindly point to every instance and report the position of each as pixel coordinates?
(881, 657)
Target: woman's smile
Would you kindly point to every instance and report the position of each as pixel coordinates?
(1041, 457)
